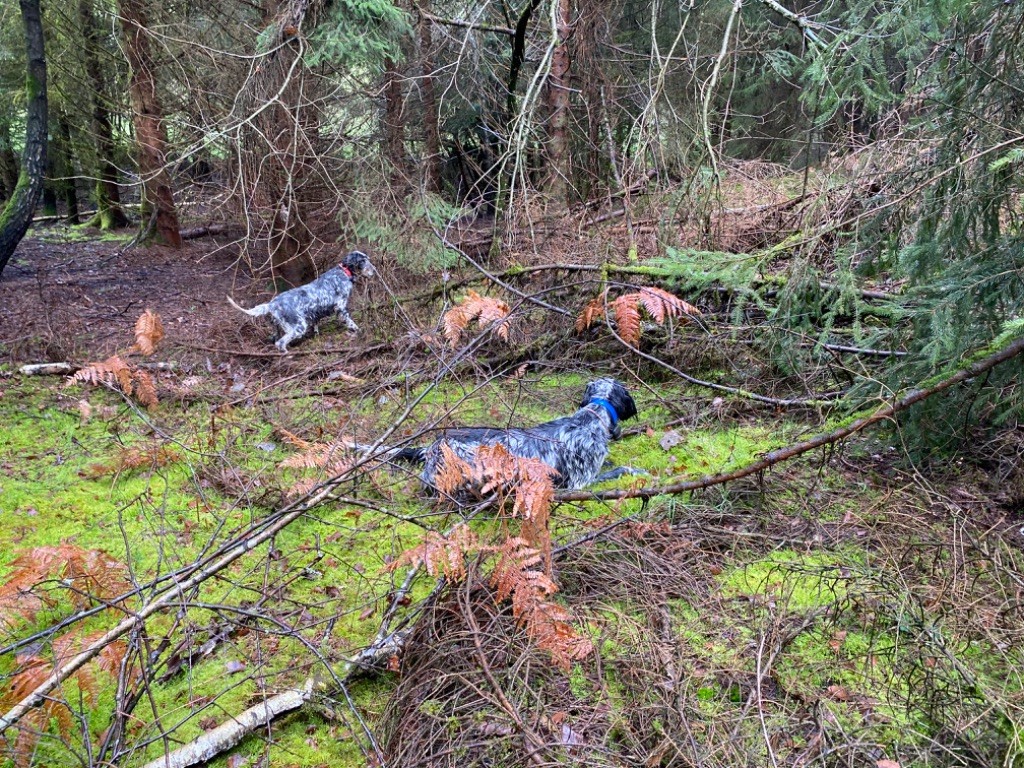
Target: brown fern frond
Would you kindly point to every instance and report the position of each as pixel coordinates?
(547, 623)
(486, 310)
(592, 312)
(114, 371)
(89, 573)
(442, 555)
(130, 458)
(313, 456)
(661, 305)
(627, 317)
(34, 669)
(144, 389)
(453, 473)
(149, 330)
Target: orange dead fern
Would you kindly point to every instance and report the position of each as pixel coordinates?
(442, 555)
(548, 624)
(523, 568)
(659, 304)
(89, 574)
(487, 311)
(332, 459)
(149, 330)
(116, 372)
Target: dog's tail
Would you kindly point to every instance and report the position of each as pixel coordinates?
(410, 455)
(259, 309)
(407, 455)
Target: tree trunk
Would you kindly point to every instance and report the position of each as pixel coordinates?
(8, 162)
(432, 133)
(150, 135)
(66, 167)
(394, 128)
(558, 104)
(109, 214)
(17, 215)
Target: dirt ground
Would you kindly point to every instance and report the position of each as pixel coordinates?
(67, 298)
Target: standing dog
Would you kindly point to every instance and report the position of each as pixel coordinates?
(297, 312)
(575, 446)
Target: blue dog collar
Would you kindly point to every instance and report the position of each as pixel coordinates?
(612, 413)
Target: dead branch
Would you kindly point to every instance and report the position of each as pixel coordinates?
(228, 734)
(67, 368)
(165, 598)
(772, 458)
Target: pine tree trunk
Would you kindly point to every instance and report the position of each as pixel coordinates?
(394, 128)
(109, 214)
(8, 162)
(66, 167)
(17, 215)
(432, 133)
(558, 104)
(150, 136)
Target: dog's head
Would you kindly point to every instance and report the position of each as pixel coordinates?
(614, 393)
(358, 263)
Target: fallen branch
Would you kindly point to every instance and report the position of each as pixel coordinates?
(915, 396)
(163, 599)
(228, 734)
(62, 369)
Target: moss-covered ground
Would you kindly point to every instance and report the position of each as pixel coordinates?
(791, 603)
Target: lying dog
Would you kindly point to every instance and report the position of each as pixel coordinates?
(297, 312)
(575, 446)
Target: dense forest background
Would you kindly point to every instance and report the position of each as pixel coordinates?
(773, 220)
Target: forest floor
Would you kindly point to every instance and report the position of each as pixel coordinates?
(849, 608)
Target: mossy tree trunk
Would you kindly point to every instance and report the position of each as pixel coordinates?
(17, 215)
(394, 124)
(109, 214)
(150, 134)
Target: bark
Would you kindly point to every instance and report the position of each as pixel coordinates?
(558, 103)
(150, 135)
(432, 132)
(66, 167)
(109, 214)
(8, 162)
(17, 215)
(394, 123)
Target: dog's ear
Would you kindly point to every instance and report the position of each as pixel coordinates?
(620, 398)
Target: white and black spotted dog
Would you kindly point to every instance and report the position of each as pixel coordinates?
(297, 312)
(575, 446)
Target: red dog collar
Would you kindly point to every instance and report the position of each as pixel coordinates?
(347, 271)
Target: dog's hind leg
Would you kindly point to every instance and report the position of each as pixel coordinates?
(617, 472)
